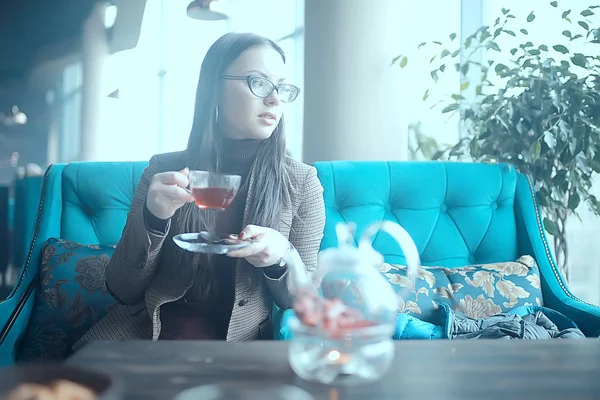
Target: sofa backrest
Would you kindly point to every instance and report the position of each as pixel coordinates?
(457, 213)
(96, 197)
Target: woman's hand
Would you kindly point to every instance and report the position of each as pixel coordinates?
(167, 193)
(268, 246)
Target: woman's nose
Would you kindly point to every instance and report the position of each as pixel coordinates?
(273, 99)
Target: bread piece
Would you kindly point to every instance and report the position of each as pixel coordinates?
(31, 391)
(67, 390)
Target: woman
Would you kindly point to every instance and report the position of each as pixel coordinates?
(168, 293)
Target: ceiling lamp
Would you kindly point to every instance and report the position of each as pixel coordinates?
(206, 10)
(17, 118)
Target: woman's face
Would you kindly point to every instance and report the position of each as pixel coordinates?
(243, 115)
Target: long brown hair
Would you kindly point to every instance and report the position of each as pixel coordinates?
(203, 152)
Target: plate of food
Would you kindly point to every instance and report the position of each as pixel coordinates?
(53, 382)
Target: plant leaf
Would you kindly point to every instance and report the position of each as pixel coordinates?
(567, 33)
(536, 150)
(451, 107)
(403, 62)
(551, 227)
(530, 17)
(554, 4)
(524, 31)
(561, 49)
(579, 60)
(468, 42)
(452, 36)
(464, 85)
(426, 95)
(573, 200)
(566, 13)
(584, 25)
(421, 45)
(587, 13)
(505, 11)
(511, 33)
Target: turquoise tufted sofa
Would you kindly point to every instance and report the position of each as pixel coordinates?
(458, 214)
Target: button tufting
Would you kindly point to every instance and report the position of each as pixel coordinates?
(443, 208)
(494, 205)
(471, 259)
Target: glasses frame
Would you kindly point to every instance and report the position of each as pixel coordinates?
(250, 78)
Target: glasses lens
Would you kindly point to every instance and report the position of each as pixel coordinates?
(288, 93)
(261, 87)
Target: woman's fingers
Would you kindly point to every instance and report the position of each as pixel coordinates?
(174, 178)
(251, 232)
(176, 193)
(248, 251)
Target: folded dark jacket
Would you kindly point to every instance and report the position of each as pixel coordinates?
(510, 326)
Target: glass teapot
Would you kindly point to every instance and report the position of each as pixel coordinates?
(345, 315)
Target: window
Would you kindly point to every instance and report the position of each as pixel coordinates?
(157, 80)
(70, 106)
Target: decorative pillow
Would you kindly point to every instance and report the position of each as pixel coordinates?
(70, 298)
(478, 291)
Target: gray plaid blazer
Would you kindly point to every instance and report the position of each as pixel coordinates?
(140, 273)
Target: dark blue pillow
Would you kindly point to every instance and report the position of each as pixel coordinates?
(71, 297)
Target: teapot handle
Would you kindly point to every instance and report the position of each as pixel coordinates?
(408, 246)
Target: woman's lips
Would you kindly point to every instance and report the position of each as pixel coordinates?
(268, 118)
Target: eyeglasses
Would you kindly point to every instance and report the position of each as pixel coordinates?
(262, 87)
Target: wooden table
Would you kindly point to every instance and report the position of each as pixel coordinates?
(440, 370)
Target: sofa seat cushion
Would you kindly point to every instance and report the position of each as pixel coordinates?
(478, 291)
(71, 296)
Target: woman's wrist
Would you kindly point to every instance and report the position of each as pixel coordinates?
(277, 270)
(283, 261)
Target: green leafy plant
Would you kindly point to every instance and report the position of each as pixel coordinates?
(539, 111)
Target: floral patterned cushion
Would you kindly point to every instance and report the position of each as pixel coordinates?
(70, 298)
(478, 291)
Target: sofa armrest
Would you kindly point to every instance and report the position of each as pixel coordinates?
(27, 195)
(16, 309)
(533, 241)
